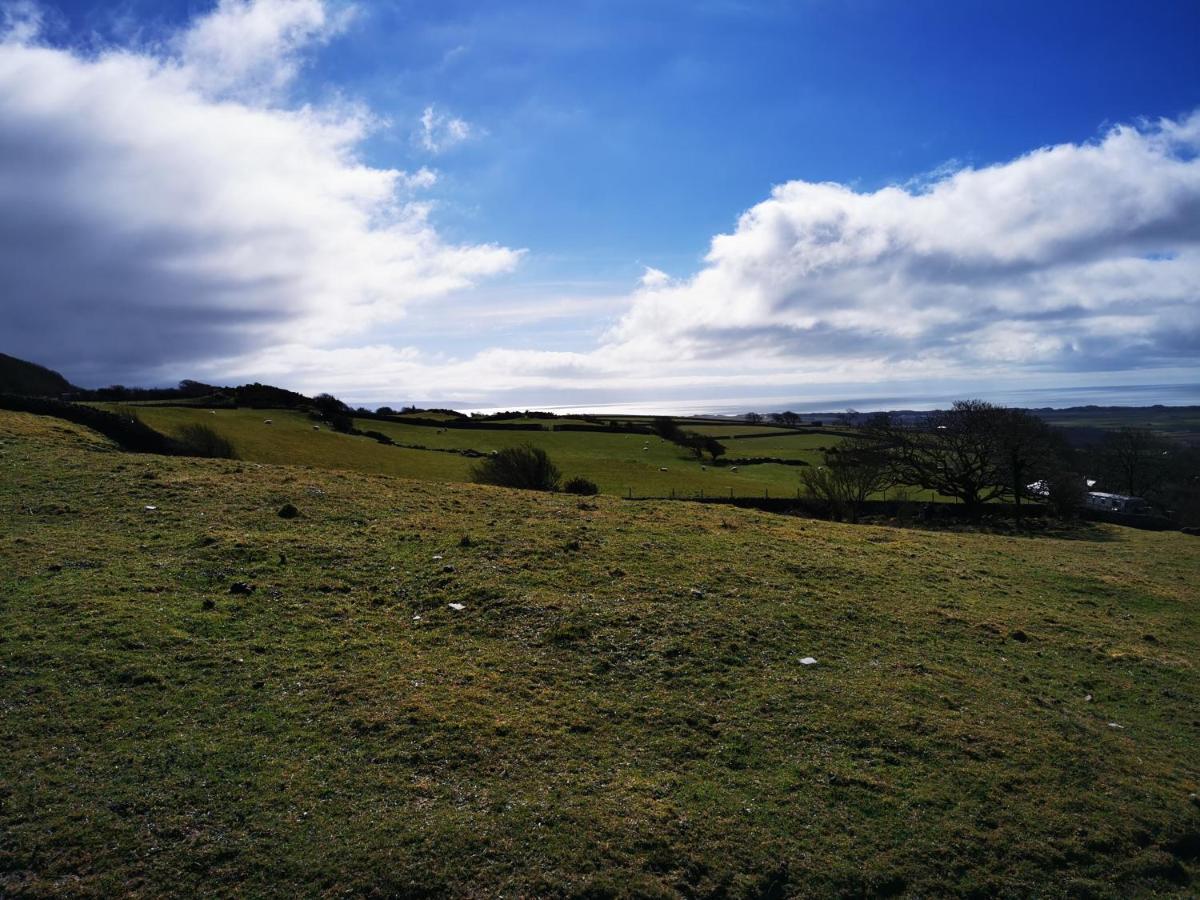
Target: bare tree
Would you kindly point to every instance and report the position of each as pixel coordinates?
(853, 471)
(1024, 446)
(952, 452)
(1134, 460)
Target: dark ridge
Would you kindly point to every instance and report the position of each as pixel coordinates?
(20, 377)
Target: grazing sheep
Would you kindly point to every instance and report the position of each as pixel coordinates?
(316, 428)
(662, 468)
(268, 422)
(733, 468)
(212, 412)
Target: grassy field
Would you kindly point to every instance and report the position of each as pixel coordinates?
(618, 709)
(616, 462)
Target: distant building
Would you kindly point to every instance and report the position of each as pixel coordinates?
(1118, 503)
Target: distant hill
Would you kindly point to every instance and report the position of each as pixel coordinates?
(20, 377)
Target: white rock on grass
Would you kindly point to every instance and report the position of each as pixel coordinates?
(457, 607)
(808, 661)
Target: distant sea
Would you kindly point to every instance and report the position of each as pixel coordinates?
(1029, 398)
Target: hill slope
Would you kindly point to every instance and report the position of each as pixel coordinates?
(618, 708)
(20, 377)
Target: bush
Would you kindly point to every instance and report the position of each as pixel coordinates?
(201, 440)
(525, 467)
(378, 436)
(581, 485)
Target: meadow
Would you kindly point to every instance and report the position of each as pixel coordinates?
(422, 689)
(616, 462)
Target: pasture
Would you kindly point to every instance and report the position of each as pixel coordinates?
(422, 689)
(616, 462)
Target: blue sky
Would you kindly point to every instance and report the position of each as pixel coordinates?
(596, 140)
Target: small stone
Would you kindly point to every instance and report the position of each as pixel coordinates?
(1115, 725)
(696, 592)
(447, 568)
(1087, 699)
(808, 661)
(151, 508)
(457, 607)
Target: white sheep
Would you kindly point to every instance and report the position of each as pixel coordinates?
(662, 468)
(316, 428)
(268, 422)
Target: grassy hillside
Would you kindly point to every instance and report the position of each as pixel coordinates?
(619, 708)
(20, 377)
(616, 462)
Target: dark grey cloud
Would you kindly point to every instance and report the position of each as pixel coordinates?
(160, 210)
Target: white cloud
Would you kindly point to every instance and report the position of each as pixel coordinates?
(1071, 263)
(256, 44)
(155, 207)
(440, 132)
(653, 278)
(1069, 257)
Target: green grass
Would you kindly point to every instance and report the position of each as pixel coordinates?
(619, 709)
(616, 462)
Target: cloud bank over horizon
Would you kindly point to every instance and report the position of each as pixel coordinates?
(171, 211)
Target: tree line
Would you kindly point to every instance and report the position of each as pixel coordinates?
(977, 452)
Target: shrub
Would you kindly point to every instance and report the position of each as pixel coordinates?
(525, 467)
(581, 485)
(378, 436)
(201, 440)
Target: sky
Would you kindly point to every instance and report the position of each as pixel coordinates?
(667, 205)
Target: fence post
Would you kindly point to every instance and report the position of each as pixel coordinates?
(766, 493)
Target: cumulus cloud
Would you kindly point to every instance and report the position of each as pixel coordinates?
(1072, 257)
(440, 131)
(1072, 262)
(173, 206)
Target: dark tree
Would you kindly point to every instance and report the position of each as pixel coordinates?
(753, 418)
(1067, 490)
(1134, 461)
(954, 452)
(328, 405)
(1024, 446)
(714, 448)
(666, 428)
(525, 467)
